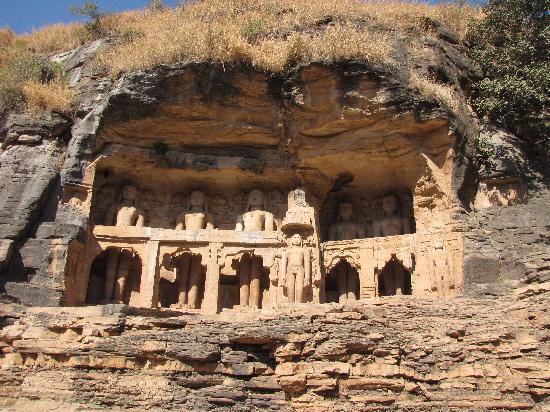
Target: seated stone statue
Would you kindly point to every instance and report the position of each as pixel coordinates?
(126, 212)
(346, 227)
(256, 216)
(196, 216)
(392, 223)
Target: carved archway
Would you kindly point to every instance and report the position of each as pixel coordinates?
(342, 282)
(182, 279)
(393, 279)
(115, 277)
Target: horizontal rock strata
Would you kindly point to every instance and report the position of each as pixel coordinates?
(382, 354)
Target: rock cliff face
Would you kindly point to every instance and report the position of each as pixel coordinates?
(346, 130)
(396, 354)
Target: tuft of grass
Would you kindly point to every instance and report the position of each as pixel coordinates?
(55, 39)
(446, 96)
(51, 96)
(7, 37)
(30, 78)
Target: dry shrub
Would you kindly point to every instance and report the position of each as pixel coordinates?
(444, 95)
(55, 39)
(7, 37)
(52, 96)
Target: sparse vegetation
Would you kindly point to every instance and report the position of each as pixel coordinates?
(51, 96)
(56, 38)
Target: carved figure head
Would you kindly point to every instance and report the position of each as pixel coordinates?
(197, 200)
(178, 199)
(483, 187)
(256, 199)
(390, 205)
(437, 244)
(277, 197)
(345, 212)
(107, 192)
(297, 197)
(296, 240)
(129, 193)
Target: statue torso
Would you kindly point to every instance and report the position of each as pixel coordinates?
(295, 258)
(195, 221)
(392, 225)
(126, 216)
(346, 230)
(254, 220)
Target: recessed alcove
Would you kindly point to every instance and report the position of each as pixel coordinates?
(342, 283)
(184, 285)
(394, 279)
(115, 277)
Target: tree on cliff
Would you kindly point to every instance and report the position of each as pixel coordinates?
(511, 45)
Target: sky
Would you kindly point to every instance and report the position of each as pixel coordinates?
(24, 15)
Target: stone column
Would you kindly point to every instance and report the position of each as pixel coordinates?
(255, 294)
(367, 277)
(150, 275)
(212, 284)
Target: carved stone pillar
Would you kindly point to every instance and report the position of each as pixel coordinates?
(211, 287)
(366, 274)
(151, 275)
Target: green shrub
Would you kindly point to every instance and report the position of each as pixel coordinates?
(511, 47)
(251, 30)
(91, 11)
(157, 5)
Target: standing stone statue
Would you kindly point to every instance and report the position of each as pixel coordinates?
(189, 277)
(392, 223)
(296, 269)
(256, 216)
(196, 216)
(125, 259)
(119, 262)
(496, 198)
(441, 271)
(104, 208)
(482, 200)
(346, 227)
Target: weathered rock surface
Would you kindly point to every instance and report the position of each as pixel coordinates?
(385, 354)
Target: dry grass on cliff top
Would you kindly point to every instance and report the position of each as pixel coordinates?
(272, 34)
